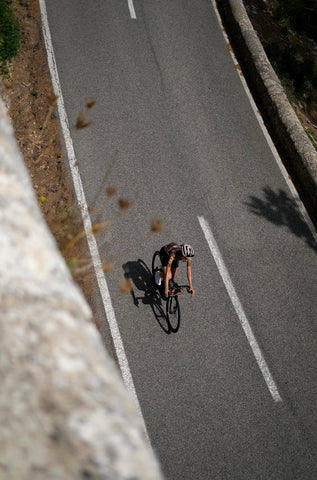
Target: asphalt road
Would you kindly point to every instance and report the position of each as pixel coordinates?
(174, 119)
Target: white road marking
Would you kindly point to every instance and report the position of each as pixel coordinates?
(258, 115)
(239, 310)
(132, 10)
(103, 287)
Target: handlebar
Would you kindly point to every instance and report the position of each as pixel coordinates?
(179, 290)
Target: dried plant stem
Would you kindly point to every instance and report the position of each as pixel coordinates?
(94, 229)
(50, 111)
(105, 179)
(52, 102)
(133, 247)
(83, 269)
(42, 154)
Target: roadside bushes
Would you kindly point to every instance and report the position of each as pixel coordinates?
(300, 15)
(294, 55)
(298, 67)
(9, 34)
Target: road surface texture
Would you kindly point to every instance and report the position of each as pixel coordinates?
(232, 394)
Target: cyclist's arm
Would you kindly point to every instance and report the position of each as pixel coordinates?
(189, 276)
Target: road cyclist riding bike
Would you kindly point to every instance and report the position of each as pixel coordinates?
(170, 256)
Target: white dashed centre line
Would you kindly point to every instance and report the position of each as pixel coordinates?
(239, 310)
(132, 10)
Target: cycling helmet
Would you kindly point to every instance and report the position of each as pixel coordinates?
(187, 251)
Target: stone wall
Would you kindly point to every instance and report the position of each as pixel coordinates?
(297, 152)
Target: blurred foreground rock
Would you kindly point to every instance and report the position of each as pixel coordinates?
(64, 411)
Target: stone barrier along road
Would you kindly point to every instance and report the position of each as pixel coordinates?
(64, 411)
(298, 153)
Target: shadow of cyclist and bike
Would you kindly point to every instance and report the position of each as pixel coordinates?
(146, 292)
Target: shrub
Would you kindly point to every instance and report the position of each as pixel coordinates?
(300, 15)
(293, 66)
(9, 33)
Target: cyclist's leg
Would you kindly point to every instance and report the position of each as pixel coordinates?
(175, 266)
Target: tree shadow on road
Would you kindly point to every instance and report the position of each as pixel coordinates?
(141, 277)
(282, 210)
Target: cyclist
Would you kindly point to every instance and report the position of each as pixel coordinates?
(170, 256)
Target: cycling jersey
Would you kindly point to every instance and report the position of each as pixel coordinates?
(174, 252)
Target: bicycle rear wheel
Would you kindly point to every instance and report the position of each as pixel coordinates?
(156, 266)
(173, 313)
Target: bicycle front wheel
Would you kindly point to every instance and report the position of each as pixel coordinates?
(156, 266)
(173, 313)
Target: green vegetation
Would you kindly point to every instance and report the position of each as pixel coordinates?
(298, 68)
(300, 15)
(9, 34)
(312, 137)
(294, 56)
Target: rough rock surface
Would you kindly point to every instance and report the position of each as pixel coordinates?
(64, 411)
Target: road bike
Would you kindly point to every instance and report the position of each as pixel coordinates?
(173, 313)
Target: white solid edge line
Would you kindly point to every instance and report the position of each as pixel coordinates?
(132, 10)
(103, 287)
(239, 310)
(258, 115)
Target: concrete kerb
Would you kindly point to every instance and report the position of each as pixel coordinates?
(297, 152)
